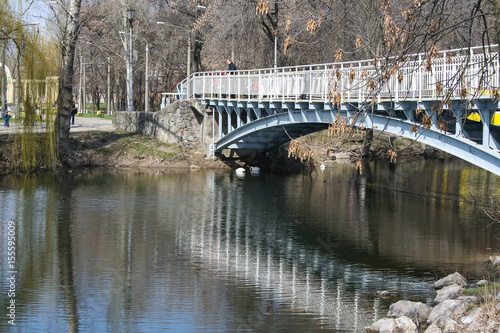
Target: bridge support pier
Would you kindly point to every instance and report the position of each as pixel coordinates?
(458, 110)
(486, 109)
(408, 109)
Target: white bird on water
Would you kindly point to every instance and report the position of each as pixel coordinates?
(254, 170)
(240, 172)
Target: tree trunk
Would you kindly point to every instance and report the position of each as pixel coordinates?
(496, 4)
(367, 143)
(65, 100)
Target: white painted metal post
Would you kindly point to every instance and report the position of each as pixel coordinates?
(360, 85)
(419, 77)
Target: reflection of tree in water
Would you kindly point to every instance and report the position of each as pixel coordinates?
(41, 206)
(65, 250)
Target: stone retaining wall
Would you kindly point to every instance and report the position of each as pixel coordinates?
(185, 122)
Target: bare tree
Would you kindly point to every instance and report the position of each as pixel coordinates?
(309, 31)
(66, 78)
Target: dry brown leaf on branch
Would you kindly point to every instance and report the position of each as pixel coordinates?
(442, 126)
(414, 129)
(338, 55)
(408, 15)
(288, 43)
(312, 26)
(433, 52)
(338, 74)
(358, 42)
(394, 155)
(426, 121)
(400, 78)
(352, 76)
(386, 6)
(463, 93)
(428, 65)
(262, 7)
(439, 88)
(394, 69)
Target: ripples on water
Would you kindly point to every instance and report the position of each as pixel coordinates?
(208, 251)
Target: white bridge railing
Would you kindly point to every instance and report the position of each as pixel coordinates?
(459, 73)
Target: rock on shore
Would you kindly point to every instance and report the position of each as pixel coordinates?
(452, 312)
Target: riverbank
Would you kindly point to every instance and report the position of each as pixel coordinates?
(457, 307)
(111, 149)
(100, 145)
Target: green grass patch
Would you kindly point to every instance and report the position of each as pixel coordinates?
(94, 115)
(491, 287)
(105, 151)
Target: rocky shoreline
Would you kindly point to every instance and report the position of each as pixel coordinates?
(452, 311)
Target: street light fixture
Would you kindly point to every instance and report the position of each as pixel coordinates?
(130, 17)
(188, 90)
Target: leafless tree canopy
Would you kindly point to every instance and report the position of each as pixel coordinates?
(308, 31)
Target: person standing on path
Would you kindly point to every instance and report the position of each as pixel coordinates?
(74, 111)
(6, 117)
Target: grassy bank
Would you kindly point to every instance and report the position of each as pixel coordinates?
(110, 149)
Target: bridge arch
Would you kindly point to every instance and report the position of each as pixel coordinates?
(277, 123)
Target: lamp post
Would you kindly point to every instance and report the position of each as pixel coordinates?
(274, 21)
(146, 85)
(130, 17)
(188, 89)
(108, 92)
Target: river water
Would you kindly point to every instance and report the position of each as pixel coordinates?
(205, 251)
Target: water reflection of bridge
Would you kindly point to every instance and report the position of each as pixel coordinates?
(428, 99)
(247, 247)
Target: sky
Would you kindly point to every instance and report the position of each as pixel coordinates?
(35, 11)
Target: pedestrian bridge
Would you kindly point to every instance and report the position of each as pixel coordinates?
(447, 100)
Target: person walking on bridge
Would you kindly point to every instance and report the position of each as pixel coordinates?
(230, 65)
